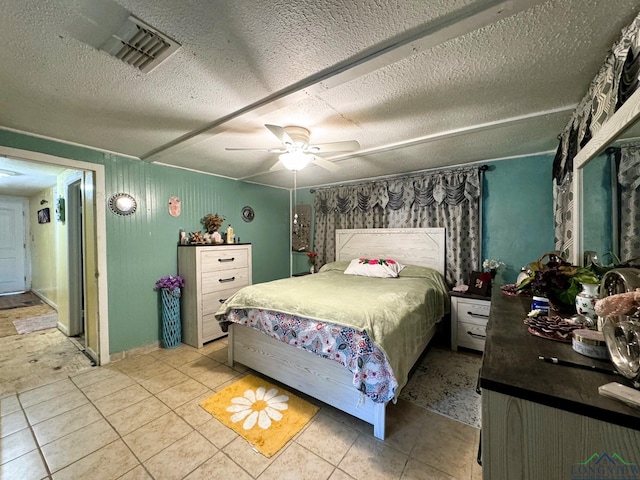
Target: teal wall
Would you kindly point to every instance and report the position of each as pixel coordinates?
(143, 247)
(517, 216)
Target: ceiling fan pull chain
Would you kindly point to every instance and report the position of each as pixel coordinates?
(295, 203)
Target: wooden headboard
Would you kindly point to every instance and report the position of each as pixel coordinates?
(409, 246)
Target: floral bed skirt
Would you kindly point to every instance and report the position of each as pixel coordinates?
(372, 374)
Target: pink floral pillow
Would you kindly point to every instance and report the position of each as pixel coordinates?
(374, 267)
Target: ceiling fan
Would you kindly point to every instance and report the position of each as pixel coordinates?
(296, 152)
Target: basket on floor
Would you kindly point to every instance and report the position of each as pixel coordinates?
(171, 327)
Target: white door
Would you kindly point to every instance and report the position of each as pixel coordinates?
(12, 245)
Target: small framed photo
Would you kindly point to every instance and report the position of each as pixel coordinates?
(480, 283)
(43, 216)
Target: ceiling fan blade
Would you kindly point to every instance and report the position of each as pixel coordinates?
(270, 150)
(280, 133)
(347, 146)
(326, 164)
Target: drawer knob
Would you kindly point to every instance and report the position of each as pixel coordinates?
(476, 335)
(472, 314)
(223, 280)
(227, 259)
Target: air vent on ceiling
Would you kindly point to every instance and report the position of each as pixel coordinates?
(140, 45)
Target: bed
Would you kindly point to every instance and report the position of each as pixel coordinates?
(262, 334)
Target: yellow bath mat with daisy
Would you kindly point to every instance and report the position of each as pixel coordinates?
(265, 415)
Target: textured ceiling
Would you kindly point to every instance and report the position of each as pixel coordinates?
(419, 84)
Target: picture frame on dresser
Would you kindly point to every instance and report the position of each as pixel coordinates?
(480, 283)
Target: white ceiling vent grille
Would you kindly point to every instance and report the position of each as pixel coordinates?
(140, 45)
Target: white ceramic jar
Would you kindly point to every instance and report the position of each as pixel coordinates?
(586, 300)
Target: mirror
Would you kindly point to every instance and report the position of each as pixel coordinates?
(122, 204)
(600, 207)
(594, 204)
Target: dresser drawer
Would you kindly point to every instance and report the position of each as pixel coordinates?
(224, 280)
(223, 259)
(211, 328)
(472, 335)
(476, 312)
(211, 302)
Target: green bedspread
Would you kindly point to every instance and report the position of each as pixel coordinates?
(395, 312)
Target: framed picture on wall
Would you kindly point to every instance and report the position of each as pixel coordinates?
(480, 283)
(43, 216)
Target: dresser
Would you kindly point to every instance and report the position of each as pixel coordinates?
(469, 316)
(211, 274)
(545, 421)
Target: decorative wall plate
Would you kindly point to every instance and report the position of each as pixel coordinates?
(248, 214)
(122, 204)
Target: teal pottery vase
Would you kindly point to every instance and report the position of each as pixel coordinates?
(171, 326)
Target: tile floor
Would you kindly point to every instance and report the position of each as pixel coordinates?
(139, 418)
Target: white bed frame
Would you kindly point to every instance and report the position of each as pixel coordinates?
(325, 379)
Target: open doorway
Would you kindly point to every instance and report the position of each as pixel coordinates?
(82, 275)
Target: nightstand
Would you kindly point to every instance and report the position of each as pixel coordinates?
(469, 316)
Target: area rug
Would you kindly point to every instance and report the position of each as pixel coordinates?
(445, 382)
(33, 324)
(19, 300)
(265, 415)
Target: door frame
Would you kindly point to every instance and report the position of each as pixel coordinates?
(75, 250)
(101, 233)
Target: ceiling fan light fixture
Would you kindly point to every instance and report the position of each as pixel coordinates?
(295, 160)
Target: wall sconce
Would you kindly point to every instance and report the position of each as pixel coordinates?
(60, 209)
(42, 202)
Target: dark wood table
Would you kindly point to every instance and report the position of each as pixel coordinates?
(541, 420)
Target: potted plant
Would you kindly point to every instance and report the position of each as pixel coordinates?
(557, 280)
(212, 222)
(312, 261)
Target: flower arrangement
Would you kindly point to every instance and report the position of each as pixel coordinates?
(212, 222)
(491, 264)
(312, 257)
(170, 282)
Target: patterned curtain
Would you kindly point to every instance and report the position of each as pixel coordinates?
(629, 180)
(449, 199)
(615, 82)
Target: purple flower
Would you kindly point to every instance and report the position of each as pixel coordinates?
(170, 282)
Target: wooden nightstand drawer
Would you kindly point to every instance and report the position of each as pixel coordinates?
(472, 335)
(473, 311)
(469, 317)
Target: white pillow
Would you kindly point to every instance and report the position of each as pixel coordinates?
(374, 267)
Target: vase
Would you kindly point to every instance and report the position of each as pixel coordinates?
(312, 268)
(171, 327)
(622, 336)
(586, 300)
